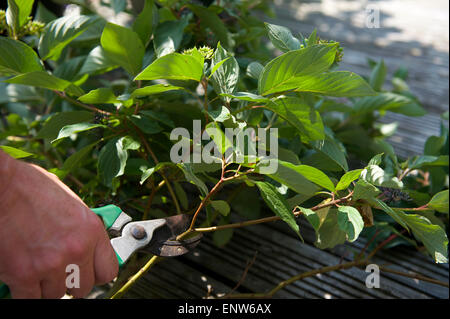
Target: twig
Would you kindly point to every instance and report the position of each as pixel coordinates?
(245, 108)
(404, 173)
(268, 219)
(414, 209)
(301, 276)
(384, 243)
(85, 106)
(155, 159)
(135, 277)
(414, 276)
(368, 244)
(205, 102)
(244, 274)
(204, 202)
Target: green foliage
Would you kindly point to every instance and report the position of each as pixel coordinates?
(123, 47)
(16, 58)
(101, 109)
(277, 203)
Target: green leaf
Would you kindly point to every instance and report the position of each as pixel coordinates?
(365, 190)
(439, 202)
(75, 160)
(221, 206)
(350, 221)
(387, 101)
(209, 19)
(220, 115)
(254, 70)
(99, 96)
(60, 32)
(216, 66)
(181, 195)
(192, 178)
(287, 155)
(300, 115)
(330, 148)
(47, 81)
(375, 175)
(312, 39)
(149, 172)
(168, 36)
(173, 66)
(146, 21)
(222, 237)
(16, 57)
(329, 233)
(282, 73)
(54, 124)
(427, 160)
(154, 89)
(277, 203)
(225, 79)
(97, 62)
(339, 84)
(220, 139)
(70, 70)
(15, 152)
(376, 160)
(396, 215)
(159, 116)
(147, 125)
(434, 144)
(12, 16)
(378, 76)
(246, 96)
(282, 38)
(113, 158)
(289, 175)
(312, 174)
(17, 13)
(312, 217)
(348, 178)
(247, 203)
(432, 236)
(146, 174)
(123, 47)
(68, 130)
(16, 93)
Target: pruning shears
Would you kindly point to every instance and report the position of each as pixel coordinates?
(154, 236)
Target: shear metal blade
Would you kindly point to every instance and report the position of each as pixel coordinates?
(164, 241)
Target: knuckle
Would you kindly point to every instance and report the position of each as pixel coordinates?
(96, 223)
(49, 262)
(77, 249)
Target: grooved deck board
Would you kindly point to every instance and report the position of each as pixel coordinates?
(280, 256)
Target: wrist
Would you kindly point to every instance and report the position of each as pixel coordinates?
(7, 171)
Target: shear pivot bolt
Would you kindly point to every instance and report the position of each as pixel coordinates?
(138, 232)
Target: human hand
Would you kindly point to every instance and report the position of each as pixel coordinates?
(44, 228)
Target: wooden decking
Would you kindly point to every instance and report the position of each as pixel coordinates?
(412, 33)
(214, 272)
